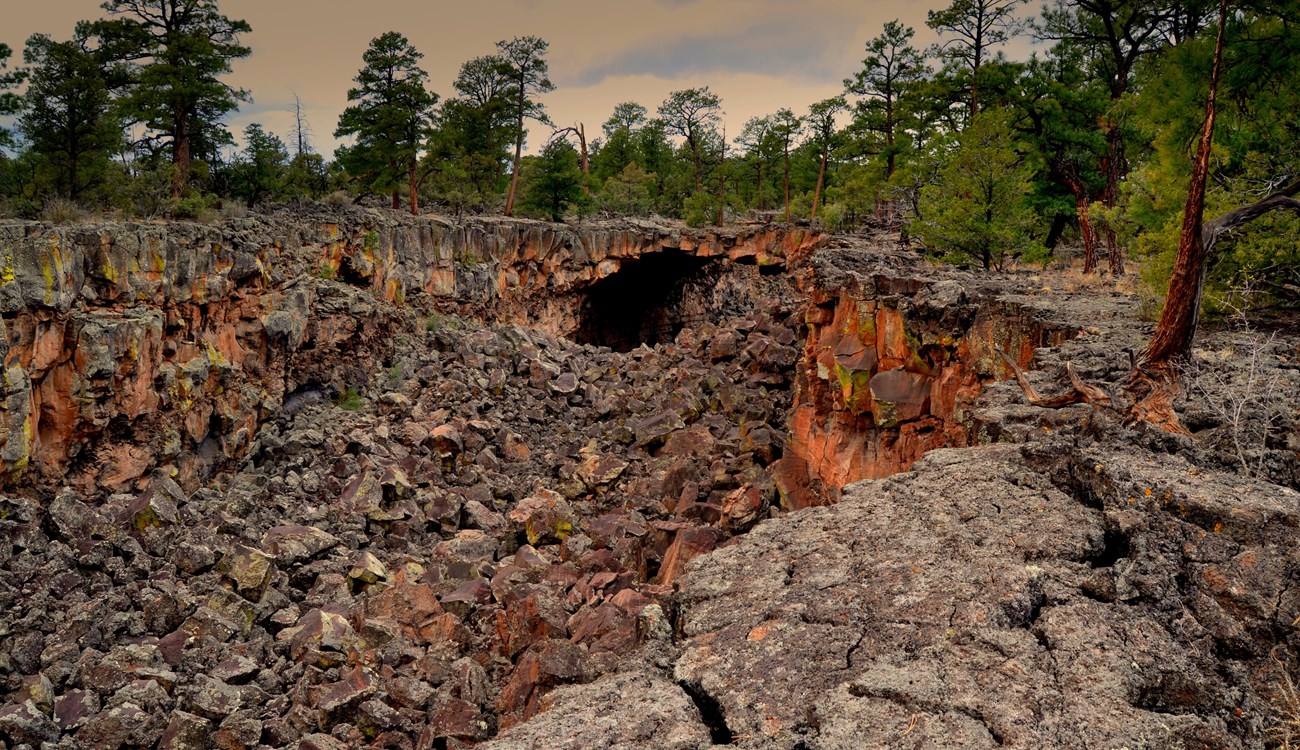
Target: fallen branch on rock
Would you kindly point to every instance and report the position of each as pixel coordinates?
(1080, 392)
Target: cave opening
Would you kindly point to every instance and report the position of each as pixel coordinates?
(648, 301)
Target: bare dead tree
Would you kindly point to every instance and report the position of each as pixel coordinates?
(1244, 401)
(302, 131)
(580, 132)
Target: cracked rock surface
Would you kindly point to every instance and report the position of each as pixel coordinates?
(1004, 596)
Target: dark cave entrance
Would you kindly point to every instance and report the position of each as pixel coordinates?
(648, 301)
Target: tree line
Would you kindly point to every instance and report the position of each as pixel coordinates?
(983, 159)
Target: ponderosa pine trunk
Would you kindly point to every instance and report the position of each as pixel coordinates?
(1172, 340)
(821, 175)
(180, 151)
(519, 149)
(1114, 168)
(414, 188)
(1089, 238)
(787, 184)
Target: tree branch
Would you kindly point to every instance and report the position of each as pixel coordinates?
(1283, 199)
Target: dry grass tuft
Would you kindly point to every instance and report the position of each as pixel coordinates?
(1287, 730)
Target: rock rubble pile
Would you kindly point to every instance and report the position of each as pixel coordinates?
(505, 513)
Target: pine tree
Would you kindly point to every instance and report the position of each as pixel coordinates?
(825, 136)
(694, 115)
(522, 62)
(67, 117)
(181, 50)
(974, 28)
(9, 101)
(892, 66)
(391, 118)
(978, 209)
(554, 181)
(759, 143)
(787, 128)
(1114, 35)
(260, 171)
(619, 149)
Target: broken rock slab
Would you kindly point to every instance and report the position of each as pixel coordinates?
(628, 711)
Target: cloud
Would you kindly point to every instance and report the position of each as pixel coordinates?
(804, 46)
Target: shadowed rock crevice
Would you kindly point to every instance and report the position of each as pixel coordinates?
(1114, 547)
(711, 712)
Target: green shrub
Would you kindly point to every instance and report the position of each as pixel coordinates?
(339, 198)
(350, 400)
(194, 206)
(699, 209)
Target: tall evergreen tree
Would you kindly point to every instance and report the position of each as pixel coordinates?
(891, 67)
(974, 29)
(825, 136)
(181, 48)
(522, 62)
(554, 181)
(259, 172)
(694, 115)
(1114, 36)
(759, 144)
(67, 116)
(470, 147)
(9, 101)
(619, 148)
(978, 209)
(656, 154)
(390, 119)
(786, 128)
(1061, 106)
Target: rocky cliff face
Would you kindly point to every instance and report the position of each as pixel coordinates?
(894, 357)
(134, 347)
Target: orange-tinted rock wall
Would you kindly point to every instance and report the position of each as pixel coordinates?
(890, 366)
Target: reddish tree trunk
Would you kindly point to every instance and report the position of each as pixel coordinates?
(1113, 166)
(519, 148)
(1081, 203)
(817, 193)
(1089, 238)
(180, 153)
(1177, 328)
(415, 189)
(722, 182)
(582, 141)
(787, 184)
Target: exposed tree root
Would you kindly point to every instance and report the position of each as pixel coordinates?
(1080, 392)
(1153, 396)
(1150, 396)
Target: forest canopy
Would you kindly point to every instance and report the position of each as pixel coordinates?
(1082, 151)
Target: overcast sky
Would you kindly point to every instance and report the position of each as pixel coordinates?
(758, 55)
